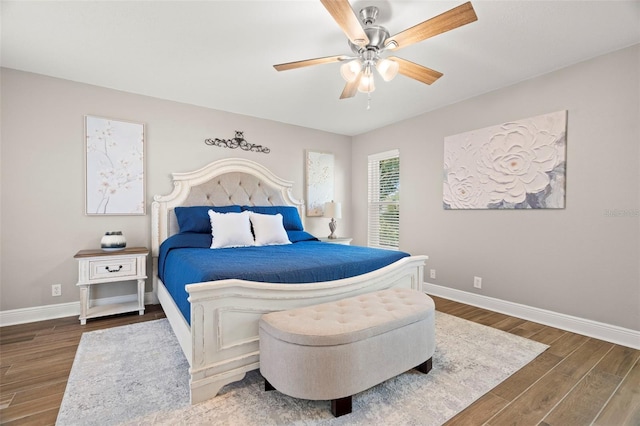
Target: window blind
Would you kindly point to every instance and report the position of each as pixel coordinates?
(384, 200)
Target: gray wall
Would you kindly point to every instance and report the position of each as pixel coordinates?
(42, 174)
(575, 261)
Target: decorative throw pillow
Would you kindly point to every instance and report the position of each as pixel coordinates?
(230, 230)
(268, 229)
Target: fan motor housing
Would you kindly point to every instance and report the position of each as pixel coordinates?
(377, 36)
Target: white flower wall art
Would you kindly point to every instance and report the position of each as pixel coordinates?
(319, 181)
(114, 167)
(515, 165)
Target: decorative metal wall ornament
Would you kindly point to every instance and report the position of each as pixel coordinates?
(237, 142)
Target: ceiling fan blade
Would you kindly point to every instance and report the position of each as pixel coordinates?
(351, 87)
(452, 19)
(346, 18)
(309, 62)
(415, 71)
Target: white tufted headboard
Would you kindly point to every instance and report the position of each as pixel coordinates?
(221, 183)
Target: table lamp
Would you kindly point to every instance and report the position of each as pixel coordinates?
(334, 211)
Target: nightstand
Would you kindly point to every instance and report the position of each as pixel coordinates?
(103, 267)
(340, 240)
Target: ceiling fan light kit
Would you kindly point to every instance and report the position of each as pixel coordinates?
(388, 69)
(369, 42)
(350, 70)
(367, 84)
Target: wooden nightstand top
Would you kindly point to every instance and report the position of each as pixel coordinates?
(99, 252)
(338, 240)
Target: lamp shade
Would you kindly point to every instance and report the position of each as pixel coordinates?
(366, 83)
(333, 210)
(350, 70)
(388, 69)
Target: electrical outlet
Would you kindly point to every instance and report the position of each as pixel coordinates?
(477, 282)
(432, 273)
(56, 289)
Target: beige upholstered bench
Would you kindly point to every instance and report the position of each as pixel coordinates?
(335, 350)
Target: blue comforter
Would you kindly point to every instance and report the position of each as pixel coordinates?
(187, 259)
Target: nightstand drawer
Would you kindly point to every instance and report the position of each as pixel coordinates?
(111, 268)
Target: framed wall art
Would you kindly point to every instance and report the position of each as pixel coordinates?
(114, 167)
(319, 181)
(515, 165)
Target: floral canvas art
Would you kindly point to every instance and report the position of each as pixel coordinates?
(319, 181)
(515, 165)
(114, 167)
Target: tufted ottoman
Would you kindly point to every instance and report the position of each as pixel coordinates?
(335, 350)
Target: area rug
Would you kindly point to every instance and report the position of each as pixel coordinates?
(138, 375)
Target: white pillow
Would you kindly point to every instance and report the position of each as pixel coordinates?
(230, 229)
(268, 229)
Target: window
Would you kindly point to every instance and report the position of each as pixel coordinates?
(384, 200)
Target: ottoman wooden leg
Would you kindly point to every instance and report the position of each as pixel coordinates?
(425, 367)
(268, 386)
(341, 406)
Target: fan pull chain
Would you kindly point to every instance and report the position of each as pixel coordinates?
(369, 101)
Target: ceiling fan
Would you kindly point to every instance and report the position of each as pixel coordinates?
(369, 42)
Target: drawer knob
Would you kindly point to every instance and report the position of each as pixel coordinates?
(108, 268)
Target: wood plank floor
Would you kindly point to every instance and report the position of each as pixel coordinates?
(577, 381)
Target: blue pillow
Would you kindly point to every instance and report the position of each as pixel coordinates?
(295, 236)
(196, 218)
(290, 216)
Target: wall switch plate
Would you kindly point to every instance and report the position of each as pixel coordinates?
(56, 289)
(432, 273)
(477, 282)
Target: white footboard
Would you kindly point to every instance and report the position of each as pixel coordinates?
(225, 314)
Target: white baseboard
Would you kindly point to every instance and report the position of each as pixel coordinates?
(61, 310)
(610, 333)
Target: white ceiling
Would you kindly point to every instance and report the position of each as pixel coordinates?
(219, 54)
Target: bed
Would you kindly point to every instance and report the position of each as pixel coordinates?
(219, 337)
